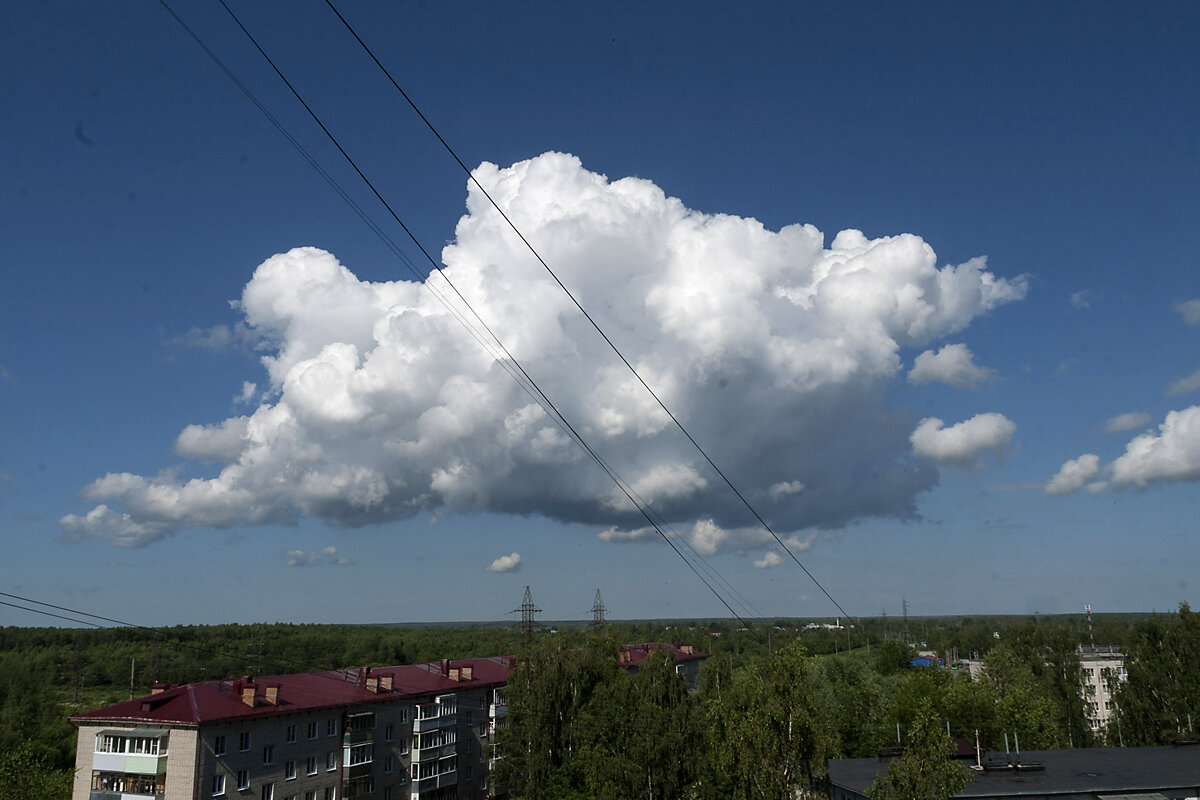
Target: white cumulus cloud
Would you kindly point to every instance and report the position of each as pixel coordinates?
(1173, 454)
(963, 444)
(509, 563)
(1170, 455)
(1127, 422)
(769, 559)
(776, 349)
(954, 364)
(1074, 474)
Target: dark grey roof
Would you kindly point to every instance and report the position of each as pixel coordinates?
(1109, 770)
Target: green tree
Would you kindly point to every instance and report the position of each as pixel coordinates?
(891, 657)
(926, 769)
(26, 775)
(639, 736)
(764, 739)
(1160, 700)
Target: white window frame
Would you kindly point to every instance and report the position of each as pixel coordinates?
(218, 784)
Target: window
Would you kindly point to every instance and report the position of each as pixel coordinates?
(331, 727)
(469, 716)
(310, 796)
(404, 714)
(360, 754)
(268, 791)
(312, 730)
(469, 745)
(404, 745)
(389, 765)
(310, 765)
(389, 733)
(244, 741)
(291, 733)
(268, 755)
(468, 773)
(243, 779)
(331, 760)
(387, 793)
(289, 770)
(329, 793)
(361, 722)
(218, 745)
(218, 785)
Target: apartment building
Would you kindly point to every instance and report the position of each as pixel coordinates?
(392, 733)
(415, 732)
(1103, 669)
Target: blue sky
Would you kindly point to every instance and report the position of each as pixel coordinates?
(144, 199)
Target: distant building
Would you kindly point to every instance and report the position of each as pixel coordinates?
(927, 661)
(1103, 669)
(1149, 773)
(414, 732)
(687, 658)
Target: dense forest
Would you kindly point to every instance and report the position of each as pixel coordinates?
(772, 694)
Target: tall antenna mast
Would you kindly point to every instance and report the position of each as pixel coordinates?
(1091, 635)
(598, 612)
(904, 605)
(527, 610)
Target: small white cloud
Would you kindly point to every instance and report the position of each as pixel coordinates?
(615, 534)
(325, 557)
(1189, 310)
(771, 559)
(784, 488)
(1171, 455)
(962, 445)
(216, 338)
(509, 563)
(954, 364)
(1184, 385)
(1074, 474)
(1127, 422)
(1082, 299)
(1066, 365)
(1097, 487)
(247, 396)
(798, 545)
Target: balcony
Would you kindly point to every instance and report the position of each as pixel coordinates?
(497, 710)
(130, 763)
(434, 782)
(434, 723)
(434, 753)
(101, 794)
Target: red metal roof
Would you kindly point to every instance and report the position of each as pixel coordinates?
(213, 701)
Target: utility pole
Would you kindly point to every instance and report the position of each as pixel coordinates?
(132, 666)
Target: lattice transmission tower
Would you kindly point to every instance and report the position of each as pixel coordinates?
(598, 610)
(527, 610)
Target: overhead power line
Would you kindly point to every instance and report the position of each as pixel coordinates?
(582, 310)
